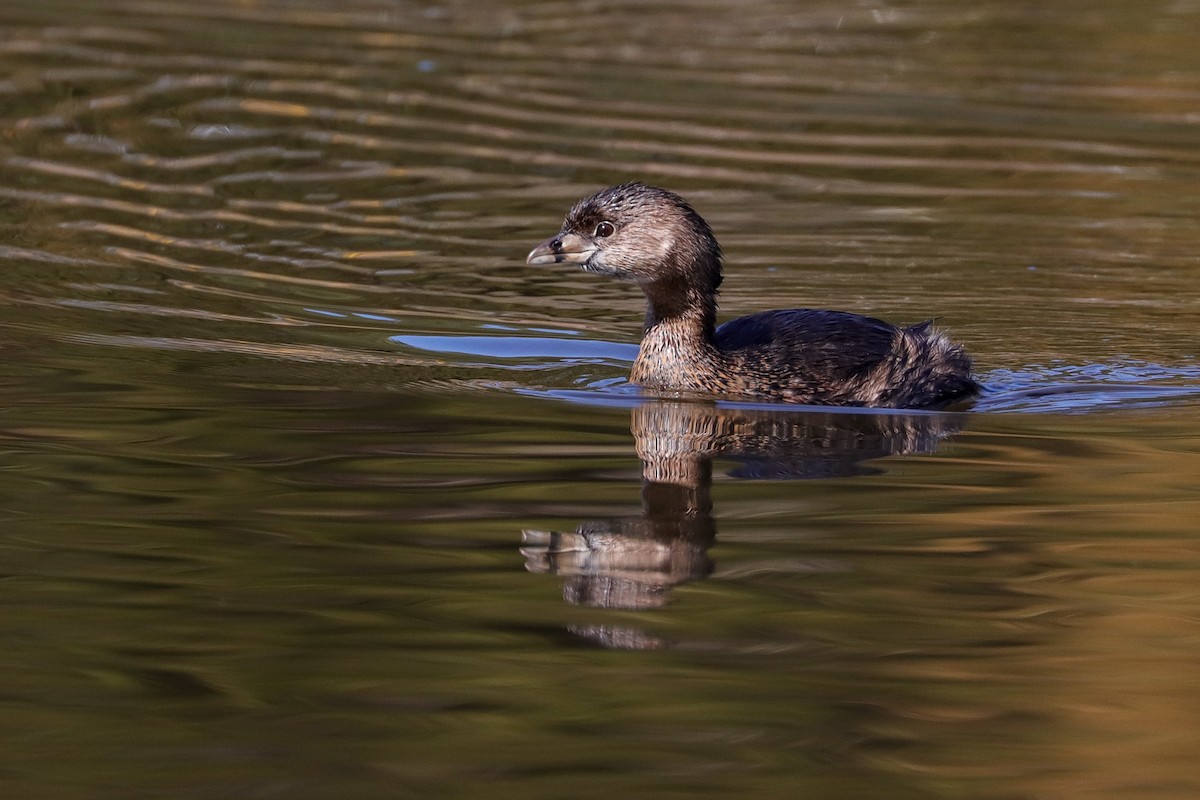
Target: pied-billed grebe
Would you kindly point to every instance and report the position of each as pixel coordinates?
(654, 238)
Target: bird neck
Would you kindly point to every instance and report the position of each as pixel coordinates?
(684, 307)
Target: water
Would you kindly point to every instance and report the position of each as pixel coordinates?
(312, 488)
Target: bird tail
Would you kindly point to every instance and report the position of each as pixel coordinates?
(938, 370)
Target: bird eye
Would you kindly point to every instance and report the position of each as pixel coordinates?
(605, 229)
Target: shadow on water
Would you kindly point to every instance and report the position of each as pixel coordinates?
(635, 562)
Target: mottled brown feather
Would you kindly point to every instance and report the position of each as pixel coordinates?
(798, 355)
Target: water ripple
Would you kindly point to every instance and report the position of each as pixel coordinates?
(391, 166)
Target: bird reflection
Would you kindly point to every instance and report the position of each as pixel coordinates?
(634, 562)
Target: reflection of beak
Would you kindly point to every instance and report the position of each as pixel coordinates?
(565, 248)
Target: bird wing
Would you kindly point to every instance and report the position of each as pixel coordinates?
(821, 346)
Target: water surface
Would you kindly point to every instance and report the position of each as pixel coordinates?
(311, 487)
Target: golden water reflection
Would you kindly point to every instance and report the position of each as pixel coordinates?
(1044, 650)
(253, 545)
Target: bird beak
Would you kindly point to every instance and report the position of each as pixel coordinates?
(565, 248)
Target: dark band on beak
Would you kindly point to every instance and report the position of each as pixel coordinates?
(565, 248)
